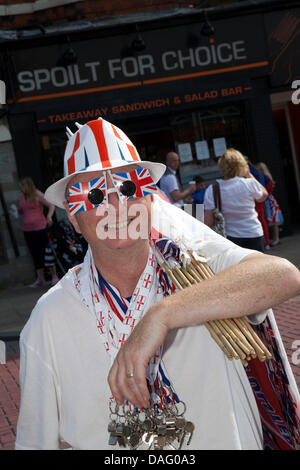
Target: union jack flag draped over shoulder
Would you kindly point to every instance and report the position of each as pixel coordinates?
(168, 248)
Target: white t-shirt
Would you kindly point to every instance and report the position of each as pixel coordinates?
(64, 369)
(238, 197)
(168, 184)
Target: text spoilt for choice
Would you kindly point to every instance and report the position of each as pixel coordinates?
(106, 71)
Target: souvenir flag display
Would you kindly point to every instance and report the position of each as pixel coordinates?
(280, 416)
(167, 248)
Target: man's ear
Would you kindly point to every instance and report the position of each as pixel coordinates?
(72, 218)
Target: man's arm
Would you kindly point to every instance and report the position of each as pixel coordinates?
(263, 189)
(178, 195)
(255, 284)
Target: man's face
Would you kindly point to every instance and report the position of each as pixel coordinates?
(116, 225)
(174, 161)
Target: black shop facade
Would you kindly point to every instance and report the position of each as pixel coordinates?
(186, 92)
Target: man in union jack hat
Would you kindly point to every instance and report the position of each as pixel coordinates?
(144, 345)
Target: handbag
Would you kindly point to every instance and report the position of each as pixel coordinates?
(273, 212)
(219, 220)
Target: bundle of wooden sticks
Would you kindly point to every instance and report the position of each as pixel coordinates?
(235, 337)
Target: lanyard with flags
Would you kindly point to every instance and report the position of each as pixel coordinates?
(118, 304)
(116, 316)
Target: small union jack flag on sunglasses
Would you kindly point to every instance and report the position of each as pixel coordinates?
(78, 195)
(142, 180)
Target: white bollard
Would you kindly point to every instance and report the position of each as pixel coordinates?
(200, 212)
(2, 352)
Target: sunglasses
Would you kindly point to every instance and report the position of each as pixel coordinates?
(134, 184)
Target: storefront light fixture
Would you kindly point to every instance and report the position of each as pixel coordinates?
(207, 28)
(138, 44)
(69, 57)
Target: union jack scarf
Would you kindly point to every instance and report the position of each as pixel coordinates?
(116, 316)
(279, 412)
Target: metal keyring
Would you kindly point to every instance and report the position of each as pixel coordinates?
(176, 407)
(141, 416)
(113, 411)
(121, 414)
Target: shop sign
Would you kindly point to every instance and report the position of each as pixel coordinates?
(159, 100)
(107, 65)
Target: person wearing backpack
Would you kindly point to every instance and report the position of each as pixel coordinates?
(238, 193)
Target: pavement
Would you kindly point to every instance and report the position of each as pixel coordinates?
(16, 304)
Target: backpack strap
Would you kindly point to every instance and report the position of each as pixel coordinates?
(217, 196)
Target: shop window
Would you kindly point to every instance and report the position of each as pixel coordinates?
(201, 137)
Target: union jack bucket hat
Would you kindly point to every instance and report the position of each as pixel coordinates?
(96, 146)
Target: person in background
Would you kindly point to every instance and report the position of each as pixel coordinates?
(198, 195)
(273, 213)
(260, 206)
(31, 205)
(239, 192)
(169, 183)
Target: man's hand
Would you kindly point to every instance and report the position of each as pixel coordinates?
(133, 358)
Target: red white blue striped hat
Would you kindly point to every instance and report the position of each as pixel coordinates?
(96, 146)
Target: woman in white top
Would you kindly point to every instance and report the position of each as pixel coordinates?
(238, 192)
